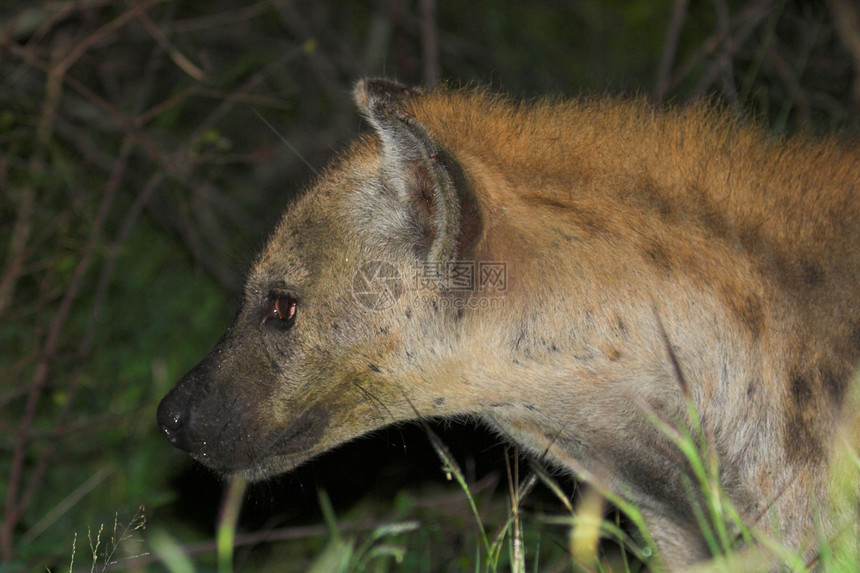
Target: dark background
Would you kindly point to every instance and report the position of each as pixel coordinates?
(137, 180)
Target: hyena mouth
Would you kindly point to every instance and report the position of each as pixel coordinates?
(279, 452)
(302, 435)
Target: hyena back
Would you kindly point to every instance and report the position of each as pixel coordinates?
(547, 268)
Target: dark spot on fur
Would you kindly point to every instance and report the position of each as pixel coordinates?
(813, 274)
(519, 340)
(588, 316)
(750, 238)
(408, 313)
(589, 221)
(619, 322)
(374, 367)
(614, 354)
(585, 219)
(553, 348)
(801, 389)
(665, 210)
(713, 220)
(835, 385)
(567, 237)
(801, 442)
(646, 195)
(748, 309)
(543, 201)
(655, 254)
(384, 330)
(802, 437)
(855, 336)
(437, 402)
(795, 275)
(805, 386)
(658, 201)
(783, 269)
(460, 312)
(752, 387)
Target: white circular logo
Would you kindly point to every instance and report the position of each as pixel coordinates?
(377, 285)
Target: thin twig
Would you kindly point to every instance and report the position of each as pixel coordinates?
(670, 48)
(725, 57)
(746, 23)
(846, 20)
(181, 61)
(225, 18)
(430, 43)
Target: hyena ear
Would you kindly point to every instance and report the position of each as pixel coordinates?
(427, 179)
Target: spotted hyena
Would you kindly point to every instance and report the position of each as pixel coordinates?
(565, 272)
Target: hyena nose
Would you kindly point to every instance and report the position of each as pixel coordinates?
(173, 418)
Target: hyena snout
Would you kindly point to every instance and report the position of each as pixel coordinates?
(175, 420)
(185, 415)
(210, 416)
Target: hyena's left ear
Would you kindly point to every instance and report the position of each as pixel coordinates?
(427, 179)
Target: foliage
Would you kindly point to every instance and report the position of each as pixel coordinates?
(138, 178)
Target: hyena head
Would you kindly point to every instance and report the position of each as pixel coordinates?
(320, 350)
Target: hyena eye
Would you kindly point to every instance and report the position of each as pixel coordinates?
(281, 310)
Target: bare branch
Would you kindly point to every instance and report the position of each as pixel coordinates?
(846, 19)
(430, 42)
(670, 48)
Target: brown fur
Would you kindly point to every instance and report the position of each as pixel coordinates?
(612, 220)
